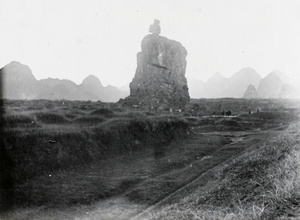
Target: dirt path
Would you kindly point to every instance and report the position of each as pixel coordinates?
(205, 177)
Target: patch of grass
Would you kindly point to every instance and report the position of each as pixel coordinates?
(183, 163)
(62, 188)
(71, 116)
(263, 183)
(41, 150)
(50, 118)
(270, 115)
(127, 135)
(19, 120)
(59, 144)
(102, 111)
(89, 120)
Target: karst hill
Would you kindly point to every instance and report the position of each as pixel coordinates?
(160, 74)
(18, 82)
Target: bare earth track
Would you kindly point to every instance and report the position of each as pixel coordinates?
(202, 178)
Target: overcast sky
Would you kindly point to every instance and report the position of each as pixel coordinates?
(71, 39)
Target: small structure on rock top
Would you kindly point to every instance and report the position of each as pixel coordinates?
(155, 28)
(160, 73)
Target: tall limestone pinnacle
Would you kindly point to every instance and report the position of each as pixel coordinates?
(160, 73)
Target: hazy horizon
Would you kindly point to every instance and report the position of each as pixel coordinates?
(74, 39)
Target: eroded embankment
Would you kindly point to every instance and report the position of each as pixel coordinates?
(121, 187)
(261, 183)
(42, 151)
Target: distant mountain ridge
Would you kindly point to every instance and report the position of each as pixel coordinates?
(270, 86)
(218, 86)
(246, 83)
(19, 83)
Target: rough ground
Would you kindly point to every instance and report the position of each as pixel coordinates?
(150, 179)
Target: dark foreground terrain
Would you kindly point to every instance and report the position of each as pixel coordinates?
(93, 160)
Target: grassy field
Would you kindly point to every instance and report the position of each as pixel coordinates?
(41, 142)
(64, 159)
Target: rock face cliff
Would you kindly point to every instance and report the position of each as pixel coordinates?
(160, 73)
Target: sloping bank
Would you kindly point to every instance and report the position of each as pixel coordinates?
(40, 150)
(262, 183)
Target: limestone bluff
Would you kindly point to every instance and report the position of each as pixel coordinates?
(160, 73)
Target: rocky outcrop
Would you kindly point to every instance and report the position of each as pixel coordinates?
(160, 73)
(250, 93)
